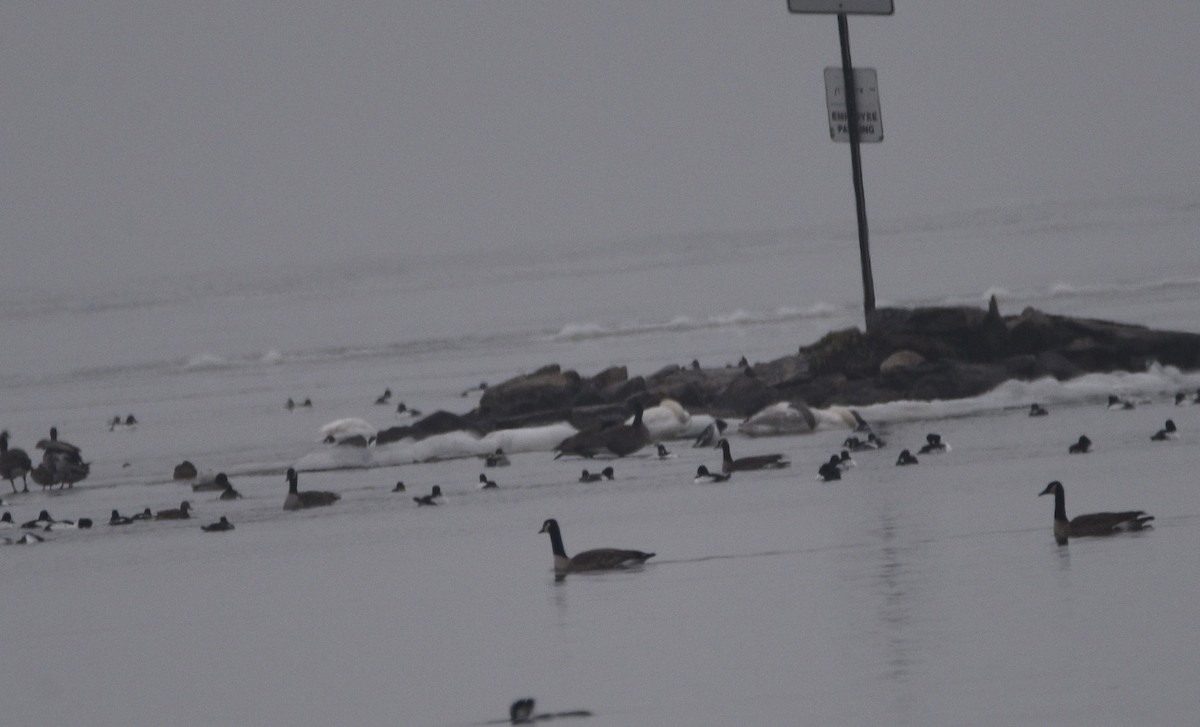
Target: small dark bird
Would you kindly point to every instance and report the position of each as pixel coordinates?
(1168, 432)
(119, 519)
(179, 513)
(496, 459)
(399, 486)
(1116, 403)
(185, 470)
(933, 445)
(1096, 523)
(605, 474)
(307, 403)
(831, 470)
(433, 498)
(663, 452)
(703, 475)
(228, 493)
(42, 520)
(486, 484)
(221, 526)
(1036, 410)
(1083, 446)
(906, 458)
(143, 515)
(385, 397)
(290, 404)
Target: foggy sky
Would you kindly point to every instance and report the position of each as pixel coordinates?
(141, 138)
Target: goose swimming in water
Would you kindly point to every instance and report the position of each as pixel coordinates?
(589, 560)
(703, 476)
(605, 474)
(746, 464)
(221, 526)
(1083, 446)
(906, 458)
(1168, 432)
(14, 463)
(297, 500)
(433, 498)
(625, 439)
(1091, 524)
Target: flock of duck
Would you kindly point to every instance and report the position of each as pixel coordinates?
(62, 464)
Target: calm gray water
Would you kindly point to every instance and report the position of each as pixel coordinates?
(932, 595)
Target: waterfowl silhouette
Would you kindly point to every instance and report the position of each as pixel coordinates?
(229, 493)
(933, 445)
(1168, 432)
(845, 461)
(625, 439)
(143, 515)
(663, 452)
(179, 513)
(399, 486)
(63, 461)
(42, 520)
(185, 470)
(589, 560)
(486, 484)
(586, 444)
(385, 397)
(831, 470)
(216, 484)
(297, 500)
(711, 434)
(496, 459)
(1091, 524)
(221, 526)
(906, 458)
(290, 404)
(433, 498)
(746, 464)
(1036, 410)
(1083, 446)
(6, 520)
(14, 463)
(521, 712)
(1115, 403)
(119, 519)
(605, 474)
(703, 475)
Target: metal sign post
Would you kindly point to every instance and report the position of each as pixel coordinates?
(842, 8)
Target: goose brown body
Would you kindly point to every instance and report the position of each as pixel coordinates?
(1093, 523)
(745, 464)
(589, 560)
(297, 500)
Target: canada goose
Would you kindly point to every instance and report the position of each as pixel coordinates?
(1081, 447)
(906, 458)
(221, 526)
(179, 513)
(1095, 523)
(831, 470)
(588, 560)
(41, 475)
(433, 498)
(933, 445)
(14, 463)
(711, 434)
(399, 486)
(586, 444)
(63, 461)
(143, 515)
(703, 475)
(496, 459)
(119, 519)
(663, 452)
(625, 439)
(216, 484)
(486, 484)
(1166, 433)
(185, 470)
(384, 398)
(1116, 403)
(297, 500)
(605, 474)
(1036, 410)
(745, 464)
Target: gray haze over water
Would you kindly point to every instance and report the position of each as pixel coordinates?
(149, 140)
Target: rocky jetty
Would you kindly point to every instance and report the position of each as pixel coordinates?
(916, 354)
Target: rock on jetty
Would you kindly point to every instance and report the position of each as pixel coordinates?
(915, 354)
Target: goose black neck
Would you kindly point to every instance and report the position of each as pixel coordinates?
(556, 542)
(1060, 505)
(725, 451)
(293, 481)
